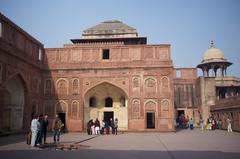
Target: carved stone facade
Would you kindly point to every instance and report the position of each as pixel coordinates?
(136, 78)
(112, 77)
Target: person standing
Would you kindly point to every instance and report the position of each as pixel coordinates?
(201, 123)
(40, 132)
(103, 130)
(89, 124)
(97, 127)
(191, 124)
(45, 125)
(35, 126)
(229, 125)
(115, 126)
(57, 125)
(112, 125)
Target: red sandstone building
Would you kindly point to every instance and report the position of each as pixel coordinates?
(110, 72)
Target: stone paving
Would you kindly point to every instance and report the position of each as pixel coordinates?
(183, 144)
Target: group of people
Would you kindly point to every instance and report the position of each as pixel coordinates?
(182, 122)
(211, 123)
(39, 127)
(95, 128)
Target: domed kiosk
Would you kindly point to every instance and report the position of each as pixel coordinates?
(213, 59)
(110, 32)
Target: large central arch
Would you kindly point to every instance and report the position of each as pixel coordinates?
(105, 101)
(12, 101)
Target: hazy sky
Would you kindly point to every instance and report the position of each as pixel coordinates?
(188, 25)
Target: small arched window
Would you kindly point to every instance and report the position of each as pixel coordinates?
(92, 102)
(108, 102)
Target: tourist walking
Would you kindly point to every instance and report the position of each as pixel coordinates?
(56, 128)
(35, 126)
(229, 125)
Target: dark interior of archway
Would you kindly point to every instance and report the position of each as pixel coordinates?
(108, 102)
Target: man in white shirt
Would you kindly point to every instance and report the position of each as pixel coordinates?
(229, 125)
(35, 127)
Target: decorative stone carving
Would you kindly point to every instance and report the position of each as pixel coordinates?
(165, 88)
(74, 109)
(165, 108)
(62, 87)
(150, 82)
(75, 86)
(150, 87)
(135, 108)
(150, 105)
(136, 82)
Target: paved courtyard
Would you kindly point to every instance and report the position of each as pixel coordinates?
(184, 144)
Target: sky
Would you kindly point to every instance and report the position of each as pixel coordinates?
(188, 25)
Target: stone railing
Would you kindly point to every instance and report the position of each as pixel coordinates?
(227, 102)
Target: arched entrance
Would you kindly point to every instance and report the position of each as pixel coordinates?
(61, 111)
(12, 105)
(106, 101)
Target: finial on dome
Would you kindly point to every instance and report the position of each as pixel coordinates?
(212, 44)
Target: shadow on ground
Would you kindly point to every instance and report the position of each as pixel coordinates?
(15, 138)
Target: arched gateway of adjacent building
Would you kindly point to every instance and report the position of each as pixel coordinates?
(106, 101)
(12, 101)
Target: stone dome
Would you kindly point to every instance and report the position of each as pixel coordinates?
(111, 28)
(213, 55)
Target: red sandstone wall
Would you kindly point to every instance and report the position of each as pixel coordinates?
(19, 56)
(143, 72)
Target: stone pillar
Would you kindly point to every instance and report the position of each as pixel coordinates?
(213, 72)
(225, 71)
(222, 71)
(207, 72)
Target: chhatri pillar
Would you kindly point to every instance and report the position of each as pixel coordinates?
(213, 59)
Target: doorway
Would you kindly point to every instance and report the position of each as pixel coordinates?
(108, 116)
(62, 116)
(180, 113)
(150, 120)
